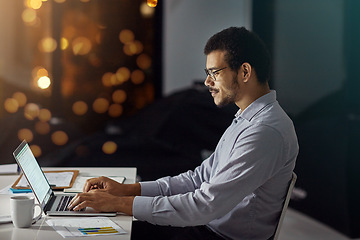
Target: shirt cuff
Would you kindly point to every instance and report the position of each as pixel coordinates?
(142, 208)
(150, 189)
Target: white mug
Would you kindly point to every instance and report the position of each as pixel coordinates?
(22, 211)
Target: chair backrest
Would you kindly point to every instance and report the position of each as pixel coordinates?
(286, 203)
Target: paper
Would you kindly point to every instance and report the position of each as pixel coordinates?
(57, 179)
(85, 226)
(80, 182)
(6, 191)
(9, 168)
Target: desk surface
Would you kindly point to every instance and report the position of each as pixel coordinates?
(40, 230)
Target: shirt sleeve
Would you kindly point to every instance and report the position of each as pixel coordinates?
(196, 198)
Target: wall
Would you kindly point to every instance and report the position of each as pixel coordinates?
(187, 25)
(308, 51)
(316, 59)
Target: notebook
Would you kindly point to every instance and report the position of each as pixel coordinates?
(51, 204)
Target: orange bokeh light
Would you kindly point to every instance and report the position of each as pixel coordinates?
(44, 115)
(115, 110)
(25, 134)
(119, 96)
(126, 36)
(152, 3)
(137, 76)
(101, 105)
(59, 138)
(32, 111)
(11, 105)
(42, 128)
(80, 108)
(36, 150)
(109, 147)
(20, 98)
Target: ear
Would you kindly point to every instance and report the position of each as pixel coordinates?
(246, 71)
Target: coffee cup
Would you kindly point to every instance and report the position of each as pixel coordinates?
(22, 210)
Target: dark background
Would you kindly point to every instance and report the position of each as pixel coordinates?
(165, 135)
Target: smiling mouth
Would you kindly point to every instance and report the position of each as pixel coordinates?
(213, 91)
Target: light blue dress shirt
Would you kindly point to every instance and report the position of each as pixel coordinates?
(239, 190)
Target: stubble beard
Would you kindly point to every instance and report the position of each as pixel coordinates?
(230, 97)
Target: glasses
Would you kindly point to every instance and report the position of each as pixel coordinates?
(212, 73)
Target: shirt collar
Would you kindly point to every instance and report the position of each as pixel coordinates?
(256, 106)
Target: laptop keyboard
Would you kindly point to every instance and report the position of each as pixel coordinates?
(64, 202)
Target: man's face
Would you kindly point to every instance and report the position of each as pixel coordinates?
(225, 89)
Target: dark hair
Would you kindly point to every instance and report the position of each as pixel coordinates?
(241, 46)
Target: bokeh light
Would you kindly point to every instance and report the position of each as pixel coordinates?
(126, 36)
(152, 3)
(106, 79)
(139, 47)
(36, 150)
(109, 147)
(119, 96)
(143, 61)
(64, 43)
(20, 98)
(80, 108)
(44, 115)
(101, 105)
(115, 110)
(47, 45)
(132, 48)
(81, 46)
(44, 82)
(25, 134)
(11, 105)
(42, 72)
(123, 74)
(31, 111)
(34, 4)
(42, 128)
(113, 80)
(59, 138)
(146, 11)
(137, 76)
(29, 16)
(38, 72)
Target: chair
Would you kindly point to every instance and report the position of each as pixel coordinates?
(286, 203)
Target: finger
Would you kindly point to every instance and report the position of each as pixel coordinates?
(81, 205)
(73, 202)
(90, 183)
(78, 199)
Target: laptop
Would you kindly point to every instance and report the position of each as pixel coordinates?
(52, 205)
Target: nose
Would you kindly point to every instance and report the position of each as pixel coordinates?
(208, 81)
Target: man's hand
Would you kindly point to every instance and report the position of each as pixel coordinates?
(108, 185)
(102, 202)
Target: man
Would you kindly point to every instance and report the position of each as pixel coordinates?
(238, 192)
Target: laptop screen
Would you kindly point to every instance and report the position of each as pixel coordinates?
(33, 173)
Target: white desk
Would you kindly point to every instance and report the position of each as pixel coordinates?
(40, 230)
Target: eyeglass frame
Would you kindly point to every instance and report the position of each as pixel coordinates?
(212, 73)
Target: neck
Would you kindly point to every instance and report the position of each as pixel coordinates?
(251, 95)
